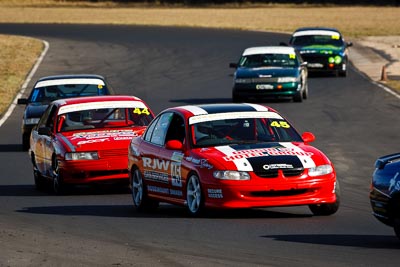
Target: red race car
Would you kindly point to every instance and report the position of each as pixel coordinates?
(84, 140)
(229, 156)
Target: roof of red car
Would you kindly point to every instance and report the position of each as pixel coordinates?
(88, 99)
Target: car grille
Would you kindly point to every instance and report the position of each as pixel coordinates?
(113, 153)
(279, 193)
(315, 58)
(261, 80)
(275, 173)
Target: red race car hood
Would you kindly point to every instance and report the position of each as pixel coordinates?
(253, 157)
(99, 139)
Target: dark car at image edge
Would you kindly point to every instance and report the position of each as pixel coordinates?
(385, 191)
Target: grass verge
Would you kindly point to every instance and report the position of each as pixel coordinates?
(17, 56)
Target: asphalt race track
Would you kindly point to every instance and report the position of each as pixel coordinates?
(354, 122)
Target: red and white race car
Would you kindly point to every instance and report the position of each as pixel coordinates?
(85, 140)
(229, 156)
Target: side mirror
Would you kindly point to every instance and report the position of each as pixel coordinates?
(44, 131)
(233, 65)
(308, 137)
(174, 145)
(22, 101)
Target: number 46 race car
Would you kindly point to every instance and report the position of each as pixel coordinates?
(229, 156)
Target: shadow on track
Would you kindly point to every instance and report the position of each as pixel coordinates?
(164, 211)
(198, 101)
(30, 190)
(11, 148)
(361, 241)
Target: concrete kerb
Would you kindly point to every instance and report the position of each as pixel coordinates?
(370, 63)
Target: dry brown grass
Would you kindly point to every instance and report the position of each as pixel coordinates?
(17, 56)
(395, 84)
(352, 21)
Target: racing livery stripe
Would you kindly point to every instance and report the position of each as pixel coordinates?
(224, 108)
(258, 107)
(68, 143)
(195, 110)
(241, 164)
(305, 160)
(315, 32)
(234, 115)
(69, 81)
(101, 105)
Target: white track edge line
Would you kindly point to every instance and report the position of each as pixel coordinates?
(25, 84)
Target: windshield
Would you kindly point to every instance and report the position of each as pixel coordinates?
(269, 60)
(244, 130)
(103, 118)
(50, 93)
(308, 40)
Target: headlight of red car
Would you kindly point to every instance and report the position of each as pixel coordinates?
(320, 170)
(231, 175)
(81, 156)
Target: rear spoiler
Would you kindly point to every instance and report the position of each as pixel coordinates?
(382, 161)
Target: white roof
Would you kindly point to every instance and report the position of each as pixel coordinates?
(268, 50)
(316, 32)
(70, 81)
(234, 115)
(100, 105)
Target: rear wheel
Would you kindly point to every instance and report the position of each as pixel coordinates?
(194, 196)
(327, 209)
(139, 194)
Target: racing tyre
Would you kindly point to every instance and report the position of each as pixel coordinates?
(327, 209)
(25, 143)
(235, 98)
(396, 226)
(305, 92)
(343, 73)
(58, 185)
(194, 196)
(298, 97)
(40, 181)
(139, 194)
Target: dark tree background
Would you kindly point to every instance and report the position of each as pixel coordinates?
(205, 2)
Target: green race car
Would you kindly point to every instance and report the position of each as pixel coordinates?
(270, 72)
(324, 49)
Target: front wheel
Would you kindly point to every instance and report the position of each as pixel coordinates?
(194, 196)
(139, 193)
(396, 226)
(25, 142)
(305, 90)
(58, 185)
(298, 97)
(327, 209)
